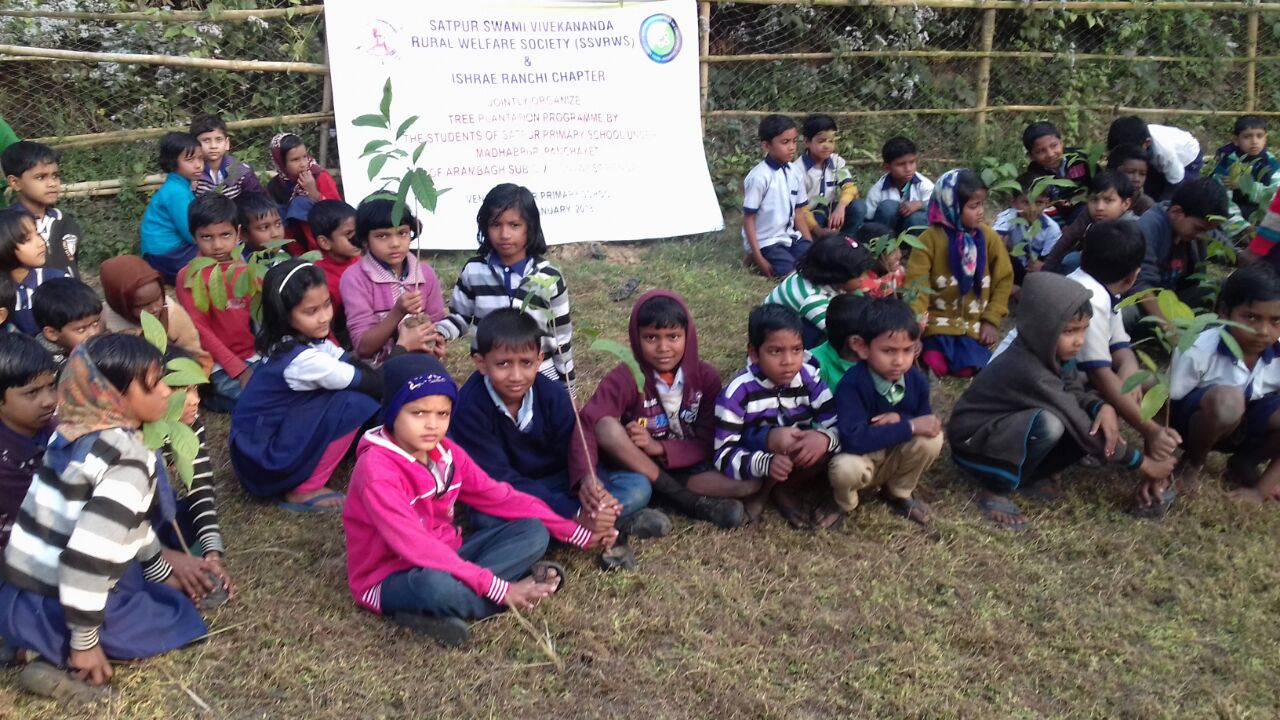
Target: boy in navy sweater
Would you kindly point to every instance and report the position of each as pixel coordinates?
(889, 435)
(518, 426)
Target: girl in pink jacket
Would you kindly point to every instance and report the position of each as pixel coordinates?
(405, 557)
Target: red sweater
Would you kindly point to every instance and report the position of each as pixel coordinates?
(333, 269)
(399, 516)
(226, 334)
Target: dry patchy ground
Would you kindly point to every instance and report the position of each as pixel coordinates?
(1088, 614)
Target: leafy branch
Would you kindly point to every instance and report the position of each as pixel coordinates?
(386, 151)
(249, 273)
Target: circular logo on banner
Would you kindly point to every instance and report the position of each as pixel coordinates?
(660, 37)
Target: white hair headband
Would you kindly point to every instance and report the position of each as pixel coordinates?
(291, 272)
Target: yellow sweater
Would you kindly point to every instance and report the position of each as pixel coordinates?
(949, 314)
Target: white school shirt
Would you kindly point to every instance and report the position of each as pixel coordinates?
(319, 367)
(1105, 334)
(821, 183)
(772, 192)
(920, 188)
(671, 397)
(1041, 243)
(524, 417)
(1210, 362)
(1172, 149)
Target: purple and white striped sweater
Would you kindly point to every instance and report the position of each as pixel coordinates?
(751, 404)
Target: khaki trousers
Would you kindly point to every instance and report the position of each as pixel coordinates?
(897, 469)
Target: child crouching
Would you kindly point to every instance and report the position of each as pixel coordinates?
(1029, 416)
(405, 558)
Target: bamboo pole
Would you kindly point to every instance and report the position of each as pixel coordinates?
(1251, 70)
(123, 136)
(1076, 6)
(326, 106)
(114, 186)
(166, 60)
(172, 16)
(704, 51)
(978, 55)
(984, 79)
(1115, 109)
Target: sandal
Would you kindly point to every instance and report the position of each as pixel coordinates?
(989, 505)
(828, 517)
(626, 290)
(542, 567)
(913, 509)
(311, 506)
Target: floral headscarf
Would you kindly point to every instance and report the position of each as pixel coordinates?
(277, 159)
(87, 401)
(966, 249)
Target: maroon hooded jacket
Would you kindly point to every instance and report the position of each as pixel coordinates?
(616, 396)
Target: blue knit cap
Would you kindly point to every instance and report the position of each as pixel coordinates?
(432, 383)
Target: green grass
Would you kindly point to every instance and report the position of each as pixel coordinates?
(1089, 614)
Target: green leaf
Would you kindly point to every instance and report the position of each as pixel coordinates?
(1231, 343)
(1172, 307)
(311, 256)
(374, 146)
(200, 294)
(385, 106)
(218, 289)
(423, 189)
(184, 441)
(1147, 361)
(184, 372)
(404, 126)
(1154, 400)
(255, 307)
(1019, 250)
(624, 355)
(375, 165)
(1136, 298)
(242, 285)
(402, 196)
(417, 153)
(154, 331)
(1135, 380)
(194, 270)
(177, 403)
(375, 121)
(154, 434)
(186, 471)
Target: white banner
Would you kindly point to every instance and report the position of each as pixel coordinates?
(591, 104)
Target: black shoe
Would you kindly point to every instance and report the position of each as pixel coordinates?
(448, 631)
(646, 523)
(721, 512)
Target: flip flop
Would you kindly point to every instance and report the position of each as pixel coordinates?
(1046, 491)
(539, 572)
(310, 506)
(989, 505)
(626, 290)
(910, 508)
(827, 511)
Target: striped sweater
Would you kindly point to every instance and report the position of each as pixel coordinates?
(751, 404)
(200, 498)
(804, 297)
(485, 285)
(83, 522)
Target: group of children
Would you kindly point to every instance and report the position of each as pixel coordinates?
(106, 558)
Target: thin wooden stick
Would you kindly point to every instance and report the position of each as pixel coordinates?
(170, 16)
(165, 60)
(544, 642)
(1074, 6)
(1118, 109)
(181, 540)
(927, 54)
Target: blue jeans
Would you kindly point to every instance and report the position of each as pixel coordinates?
(508, 550)
(223, 391)
(171, 263)
(1070, 262)
(631, 489)
(782, 258)
(887, 214)
(854, 215)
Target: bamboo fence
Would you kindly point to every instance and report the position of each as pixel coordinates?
(981, 110)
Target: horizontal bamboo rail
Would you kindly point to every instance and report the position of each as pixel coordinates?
(1118, 109)
(65, 142)
(171, 16)
(978, 55)
(166, 60)
(114, 186)
(1076, 6)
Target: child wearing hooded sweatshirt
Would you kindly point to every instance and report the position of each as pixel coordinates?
(1029, 416)
(405, 557)
(664, 431)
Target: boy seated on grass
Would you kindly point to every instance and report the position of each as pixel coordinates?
(889, 435)
(1174, 234)
(1174, 153)
(1026, 222)
(1028, 416)
(33, 172)
(1048, 155)
(334, 224)
(1110, 198)
(519, 426)
(663, 431)
(405, 557)
(260, 223)
(775, 423)
(1132, 162)
(837, 355)
(28, 398)
(834, 206)
(774, 233)
(225, 333)
(900, 198)
(1227, 403)
(68, 313)
(1247, 154)
(164, 231)
(222, 172)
